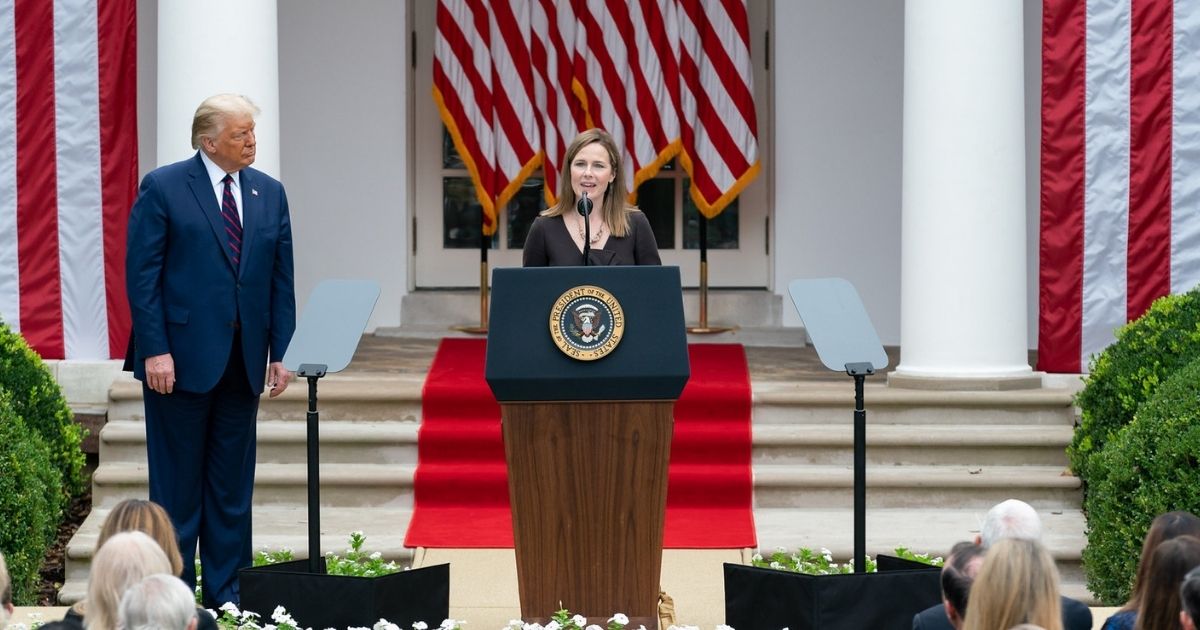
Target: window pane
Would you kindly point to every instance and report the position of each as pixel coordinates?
(722, 231)
(450, 157)
(523, 209)
(656, 199)
(461, 214)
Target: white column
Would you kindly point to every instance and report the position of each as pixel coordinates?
(962, 295)
(216, 46)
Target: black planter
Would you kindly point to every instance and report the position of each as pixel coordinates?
(767, 599)
(338, 601)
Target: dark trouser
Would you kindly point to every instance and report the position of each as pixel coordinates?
(201, 455)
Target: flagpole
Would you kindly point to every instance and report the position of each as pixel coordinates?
(703, 328)
(482, 328)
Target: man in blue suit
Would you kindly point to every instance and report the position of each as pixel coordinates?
(210, 280)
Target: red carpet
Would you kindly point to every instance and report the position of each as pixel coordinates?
(461, 484)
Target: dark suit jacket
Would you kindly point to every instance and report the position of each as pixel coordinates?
(185, 295)
(1075, 615)
(549, 244)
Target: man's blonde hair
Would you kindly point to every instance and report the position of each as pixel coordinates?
(211, 115)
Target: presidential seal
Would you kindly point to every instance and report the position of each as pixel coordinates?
(586, 323)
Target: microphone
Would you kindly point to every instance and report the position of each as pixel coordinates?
(584, 206)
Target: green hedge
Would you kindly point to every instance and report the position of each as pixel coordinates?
(31, 501)
(37, 399)
(1149, 467)
(1147, 351)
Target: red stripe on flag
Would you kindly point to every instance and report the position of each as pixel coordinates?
(1151, 57)
(470, 144)
(610, 82)
(117, 52)
(647, 108)
(461, 46)
(37, 194)
(1060, 289)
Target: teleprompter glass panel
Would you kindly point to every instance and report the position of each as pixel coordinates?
(656, 199)
(722, 231)
(461, 214)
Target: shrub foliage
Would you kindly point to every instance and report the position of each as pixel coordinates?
(1149, 467)
(31, 501)
(1147, 351)
(37, 399)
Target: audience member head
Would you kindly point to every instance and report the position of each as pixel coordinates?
(1017, 584)
(158, 602)
(962, 565)
(1164, 527)
(1170, 562)
(148, 517)
(6, 605)
(1189, 598)
(122, 561)
(1010, 519)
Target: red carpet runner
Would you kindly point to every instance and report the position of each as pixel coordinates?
(461, 484)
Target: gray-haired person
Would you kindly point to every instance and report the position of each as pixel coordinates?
(158, 602)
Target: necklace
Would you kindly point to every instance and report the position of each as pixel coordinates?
(599, 234)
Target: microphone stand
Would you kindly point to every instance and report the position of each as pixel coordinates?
(584, 206)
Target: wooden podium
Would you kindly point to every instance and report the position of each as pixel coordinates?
(587, 440)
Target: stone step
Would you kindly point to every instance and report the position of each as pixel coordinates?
(914, 487)
(342, 485)
(930, 444)
(285, 442)
(275, 528)
(354, 397)
(832, 402)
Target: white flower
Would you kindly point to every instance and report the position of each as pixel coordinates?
(579, 620)
(231, 608)
(515, 624)
(619, 618)
(533, 626)
(384, 624)
(594, 627)
(377, 555)
(269, 626)
(420, 625)
(722, 626)
(450, 624)
(553, 625)
(757, 557)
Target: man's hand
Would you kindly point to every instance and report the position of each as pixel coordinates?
(160, 373)
(277, 378)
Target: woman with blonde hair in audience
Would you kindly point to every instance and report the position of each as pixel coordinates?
(122, 561)
(1017, 584)
(1164, 527)
(1160, 605)
(148, 517)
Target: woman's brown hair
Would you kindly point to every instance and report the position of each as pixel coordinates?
(614, 208)
(148, 517)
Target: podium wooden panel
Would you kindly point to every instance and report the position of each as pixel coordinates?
(587, 442)
(588, 486)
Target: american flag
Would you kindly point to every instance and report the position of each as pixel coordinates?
(68, 172)
(1120, 170)
(516, 80)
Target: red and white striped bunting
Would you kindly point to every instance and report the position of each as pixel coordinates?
(1120, 168)
(68, 172)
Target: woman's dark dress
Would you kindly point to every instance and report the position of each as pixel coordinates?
(549, 244)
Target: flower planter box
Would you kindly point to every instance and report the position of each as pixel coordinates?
(767, 599)
(338, 601)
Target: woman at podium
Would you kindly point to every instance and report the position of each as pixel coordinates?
(616, 234)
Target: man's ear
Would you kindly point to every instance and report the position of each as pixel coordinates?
(1185, 620)
(195, 622)
(952, 614)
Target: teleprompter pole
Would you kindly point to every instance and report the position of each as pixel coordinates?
(313, 372)
(860, 371)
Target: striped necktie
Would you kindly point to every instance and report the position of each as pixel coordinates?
(233, 226)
